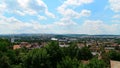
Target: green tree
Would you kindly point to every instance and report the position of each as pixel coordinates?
(67, 62)
(4, 62)
(95, 63)
(54, 52)
(84, 54)
(37, 58)
(4, 45)
(113, 55)
(70, 51)
(11, 54)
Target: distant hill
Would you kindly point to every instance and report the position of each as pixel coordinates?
(61, 35)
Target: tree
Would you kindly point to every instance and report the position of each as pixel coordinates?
(113, 55)
(67, 62)
(95, 63)
(37, 58)
(4, 62)
(70, 51)
(84, 54)
(4, 45)
(54, 52)
(11, 55)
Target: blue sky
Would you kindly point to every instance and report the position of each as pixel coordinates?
(60, 16)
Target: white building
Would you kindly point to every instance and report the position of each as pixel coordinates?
(54, 39)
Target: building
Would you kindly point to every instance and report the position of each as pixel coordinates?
(25, 44)
(16, 47)
(12, 40)
(54, 39)
(114, 64)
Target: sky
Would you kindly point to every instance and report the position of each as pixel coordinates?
(60, 16)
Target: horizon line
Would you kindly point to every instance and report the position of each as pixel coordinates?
(57, 34)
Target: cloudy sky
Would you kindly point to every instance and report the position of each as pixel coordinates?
(60, 16)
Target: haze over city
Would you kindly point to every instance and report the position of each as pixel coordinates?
(60, 16)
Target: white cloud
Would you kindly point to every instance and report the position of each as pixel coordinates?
(85, 13)
(19, 12)
(41, 7)
(88, 27)
(68, 3)
(65, 22)
(2, 7)
(42, 17)
(23, 3)
(69, 15)
(116, 21)
(117, 16)
(49, 14)
(26, 7)
(99, 27)
(69, 12)
(115, 5)
(77, 2)
(73, 14)
(13, 25)
(94, 27)
(30, 11)
(41, 3)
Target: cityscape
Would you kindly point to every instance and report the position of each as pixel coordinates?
(79, 50)
(59, 33)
